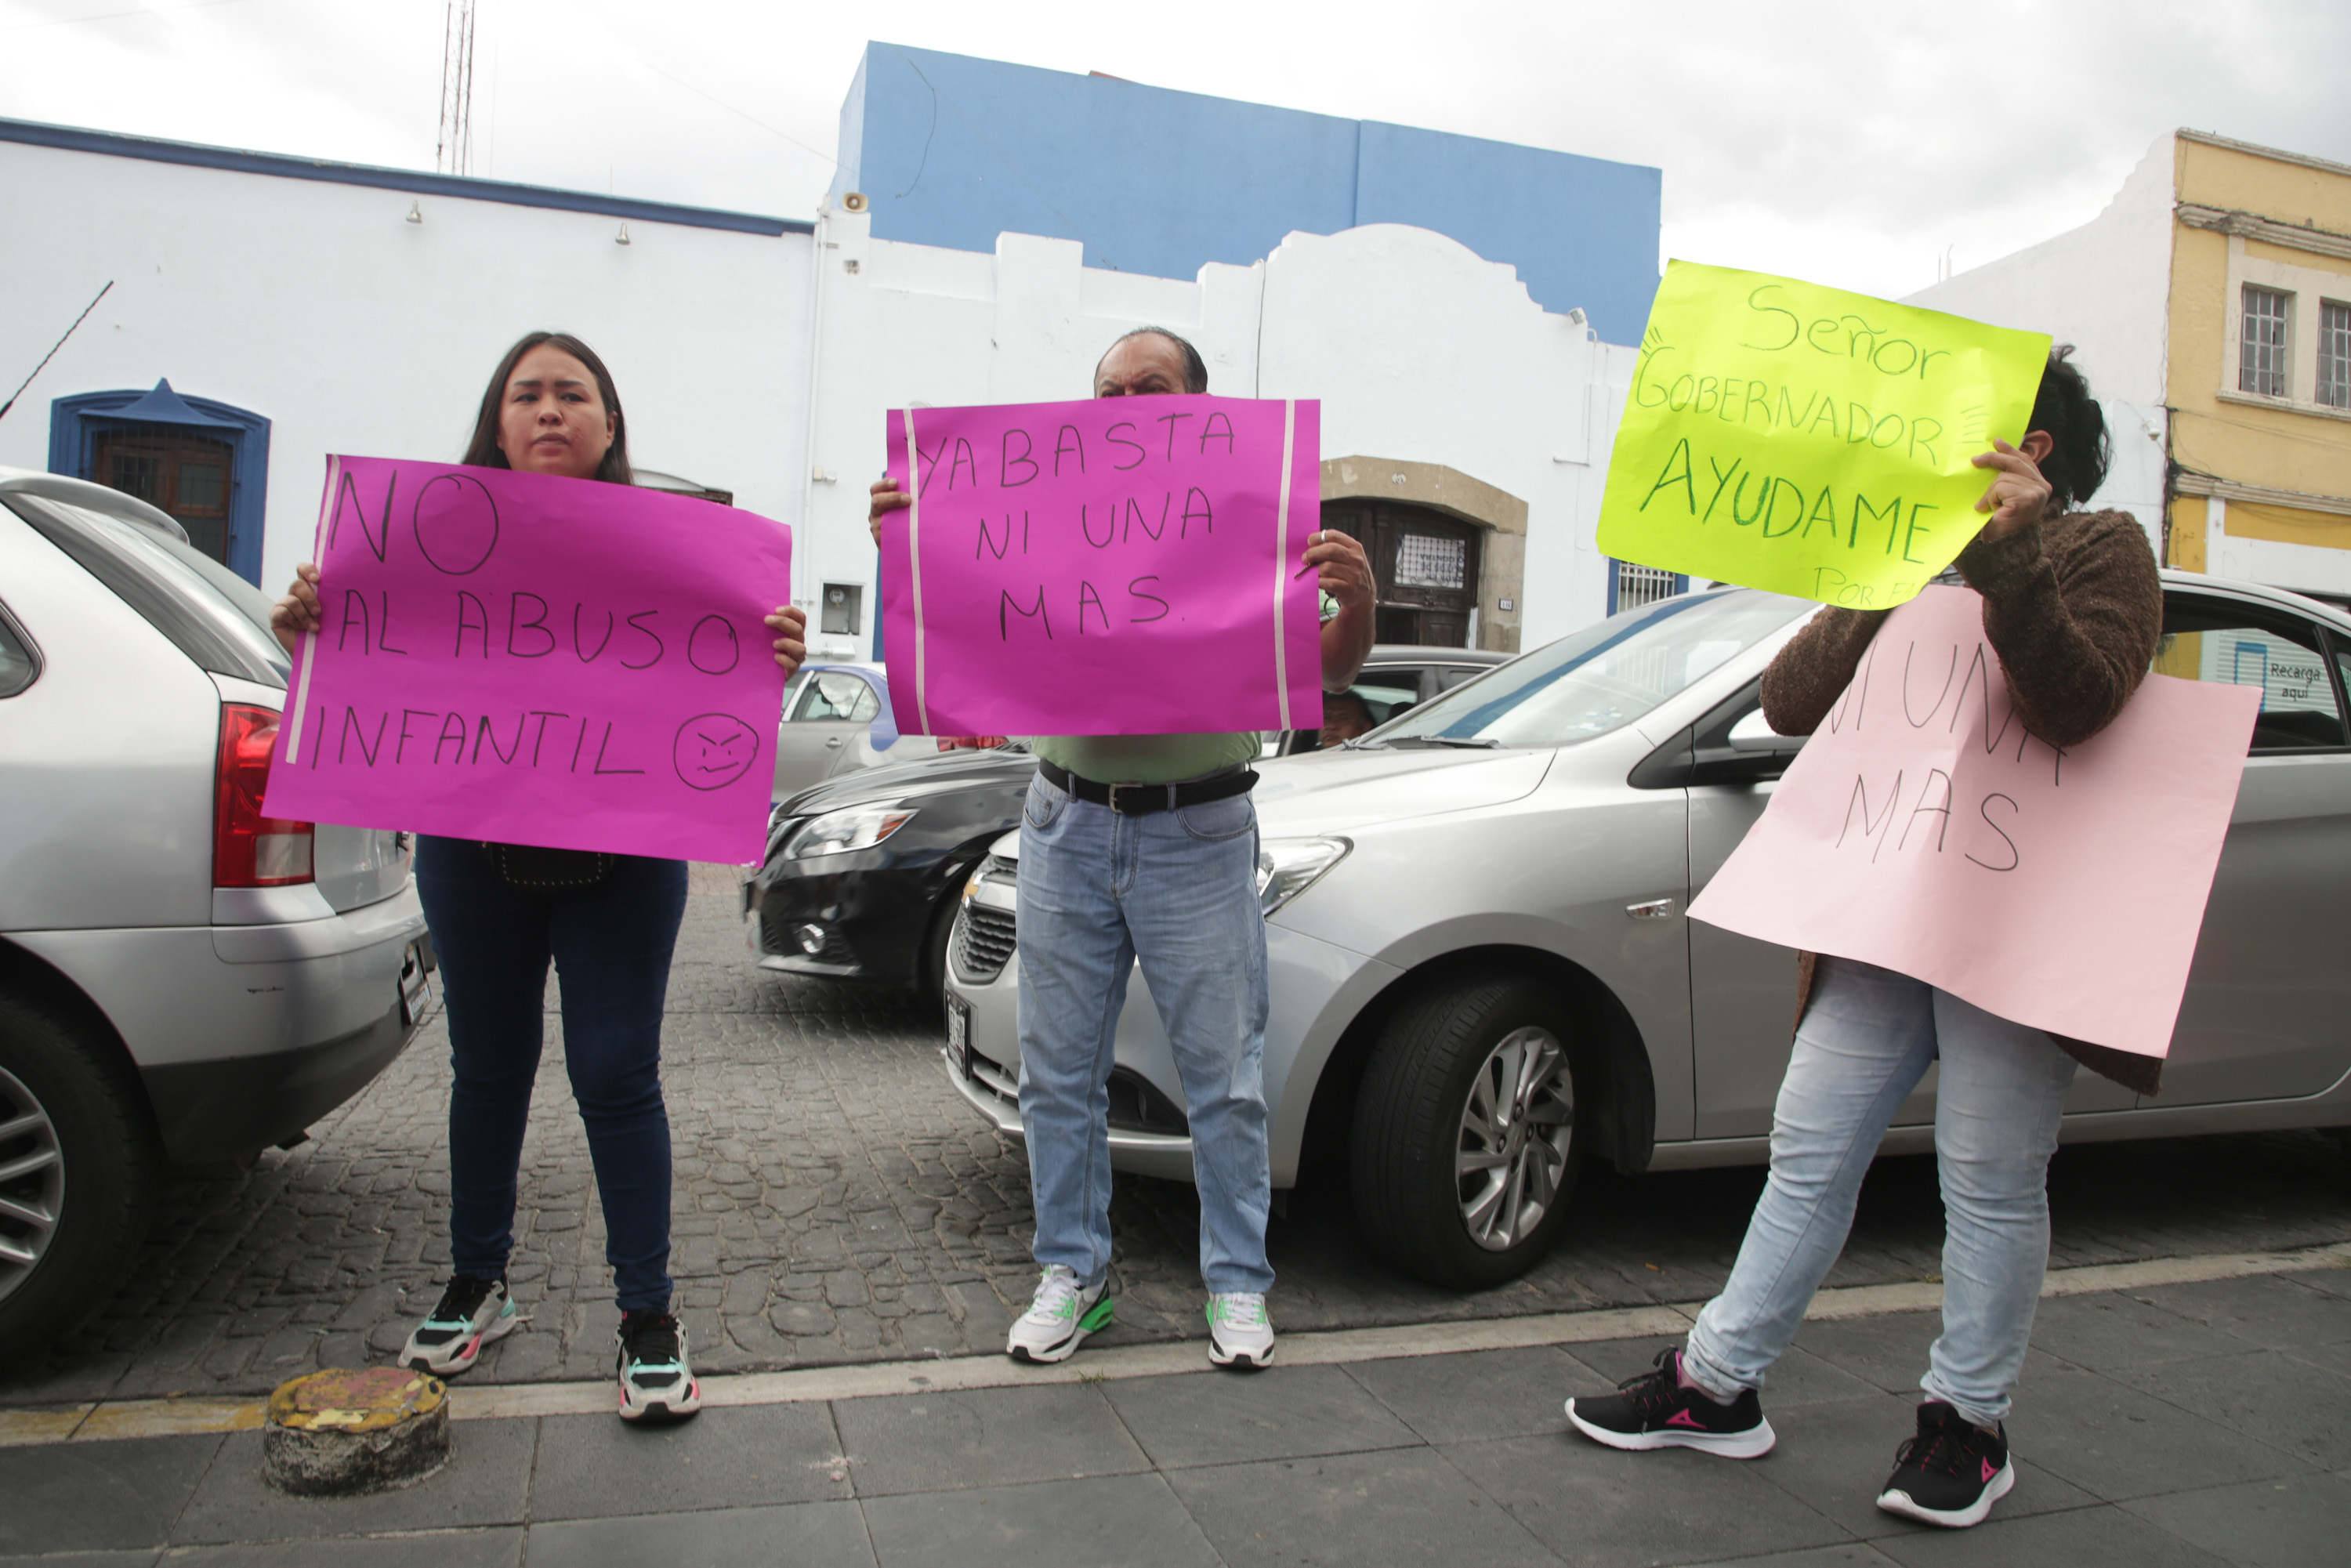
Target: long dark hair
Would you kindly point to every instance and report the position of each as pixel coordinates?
(483, 452)
(2063, 408)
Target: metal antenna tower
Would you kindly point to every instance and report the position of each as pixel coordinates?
(453, 154)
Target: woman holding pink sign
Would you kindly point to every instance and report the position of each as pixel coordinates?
(2073, 606)
(500, 912)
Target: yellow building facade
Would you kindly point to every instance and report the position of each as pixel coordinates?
(2210, 304)
(2260, 361)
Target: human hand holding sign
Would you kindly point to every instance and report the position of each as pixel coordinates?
(2019, 496)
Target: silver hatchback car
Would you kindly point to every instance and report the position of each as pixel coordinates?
(183, 979)
(1482, 974)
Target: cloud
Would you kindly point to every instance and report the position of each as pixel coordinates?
(1843, 140)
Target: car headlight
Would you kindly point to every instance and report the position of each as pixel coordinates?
(856, 827)
(1288, 867)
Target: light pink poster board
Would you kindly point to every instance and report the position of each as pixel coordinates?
(1923, 830)
(1120, 566)
(536, 661)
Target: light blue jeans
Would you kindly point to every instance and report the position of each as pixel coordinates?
(1866, 1039)
(1176, 890)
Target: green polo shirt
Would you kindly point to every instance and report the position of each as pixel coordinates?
(1146, 759)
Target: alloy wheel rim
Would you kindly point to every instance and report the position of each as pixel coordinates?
(32, 1183)
(1517, 1129)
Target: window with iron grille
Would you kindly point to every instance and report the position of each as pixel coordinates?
(2334, 354)
(1631, 587)
(2261, 348)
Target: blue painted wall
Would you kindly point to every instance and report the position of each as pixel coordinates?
(950, 151)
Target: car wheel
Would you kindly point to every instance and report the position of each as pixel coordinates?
(1464, 1148)
(78, 1167)
(932, 977)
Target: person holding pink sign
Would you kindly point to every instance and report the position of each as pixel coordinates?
(2073, 606)
(499, 913)
(1142, 848)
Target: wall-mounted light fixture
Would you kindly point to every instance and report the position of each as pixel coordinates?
(414, 216)
(622, 237)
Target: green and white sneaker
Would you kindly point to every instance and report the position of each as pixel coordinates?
(656, 1380)
(1240, 1334)
(1060, 1317)
(472, 1314)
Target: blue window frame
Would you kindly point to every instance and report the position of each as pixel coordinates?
(206, 463)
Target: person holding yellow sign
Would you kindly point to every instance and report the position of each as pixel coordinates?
(2073, 606)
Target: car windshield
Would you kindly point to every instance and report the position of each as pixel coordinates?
(1600, 679)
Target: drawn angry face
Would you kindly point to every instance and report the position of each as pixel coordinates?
(714, 749)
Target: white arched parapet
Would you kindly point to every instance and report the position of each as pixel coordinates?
(1420, 347)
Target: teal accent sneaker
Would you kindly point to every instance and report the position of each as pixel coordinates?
(1240, 1334)
(472, 1314)
(1060, 1317)
(656, 1381)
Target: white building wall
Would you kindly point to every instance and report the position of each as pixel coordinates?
(2104, 287)
(1419, 349)
(320, 307)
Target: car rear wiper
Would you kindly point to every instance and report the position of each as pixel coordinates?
(1468, 742)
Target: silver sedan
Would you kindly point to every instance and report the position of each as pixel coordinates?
(1482, 974)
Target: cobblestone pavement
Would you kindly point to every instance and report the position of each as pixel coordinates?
(837, 1201)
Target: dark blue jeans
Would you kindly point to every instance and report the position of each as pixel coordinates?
(611, 945)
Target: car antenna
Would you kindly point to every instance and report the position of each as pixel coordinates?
(52, 354)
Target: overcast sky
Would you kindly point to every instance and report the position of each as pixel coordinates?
(1847, 143)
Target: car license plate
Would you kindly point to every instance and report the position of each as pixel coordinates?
(959, 1035)
(415, 984)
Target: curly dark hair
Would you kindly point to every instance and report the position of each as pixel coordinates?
(2071, 417)
(484, 451)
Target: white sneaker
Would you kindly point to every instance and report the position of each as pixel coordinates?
(657, 1382)
(1060, 1317)
(1240, 1334)
(473, 1312)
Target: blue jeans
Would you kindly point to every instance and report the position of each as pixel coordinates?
(1177, 892)
(1866, 1039)
(611, 945)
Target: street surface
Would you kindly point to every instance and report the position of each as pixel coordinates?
(837, 1203)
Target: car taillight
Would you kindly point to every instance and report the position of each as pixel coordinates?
(250, 849)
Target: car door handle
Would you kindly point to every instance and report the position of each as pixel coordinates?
(835, 742)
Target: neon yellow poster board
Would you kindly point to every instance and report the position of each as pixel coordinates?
(1808, 441)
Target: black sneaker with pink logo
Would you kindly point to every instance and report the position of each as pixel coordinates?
(1950, 1473)
(1659, 1410)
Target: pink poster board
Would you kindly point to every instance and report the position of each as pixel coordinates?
(1120, 566)
(1922, 830)
(536, 661)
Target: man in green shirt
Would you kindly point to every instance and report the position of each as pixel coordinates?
(1111, 876)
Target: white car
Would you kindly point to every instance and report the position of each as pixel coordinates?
(1482, 974)
(184, 980)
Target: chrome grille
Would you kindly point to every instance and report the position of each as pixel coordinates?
(984, 941)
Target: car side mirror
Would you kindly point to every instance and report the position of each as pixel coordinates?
(1754, 736)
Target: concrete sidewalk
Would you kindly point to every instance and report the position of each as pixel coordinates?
(2207, 1421)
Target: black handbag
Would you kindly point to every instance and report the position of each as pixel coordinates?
(545, 870)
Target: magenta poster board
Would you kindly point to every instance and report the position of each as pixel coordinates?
(1119, 566)
(514, 657)
(1922, 828)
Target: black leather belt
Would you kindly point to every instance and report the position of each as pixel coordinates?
(1142, 799)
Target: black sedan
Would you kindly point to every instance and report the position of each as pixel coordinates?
(863, 872)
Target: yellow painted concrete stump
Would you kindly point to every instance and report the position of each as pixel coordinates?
(342, 1434)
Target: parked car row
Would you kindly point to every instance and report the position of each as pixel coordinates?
(184, 980)
(1483, 976)
(863, 871)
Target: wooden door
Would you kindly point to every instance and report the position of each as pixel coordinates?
(1424, 568)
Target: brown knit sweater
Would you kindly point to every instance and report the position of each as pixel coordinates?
(2073, 609)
